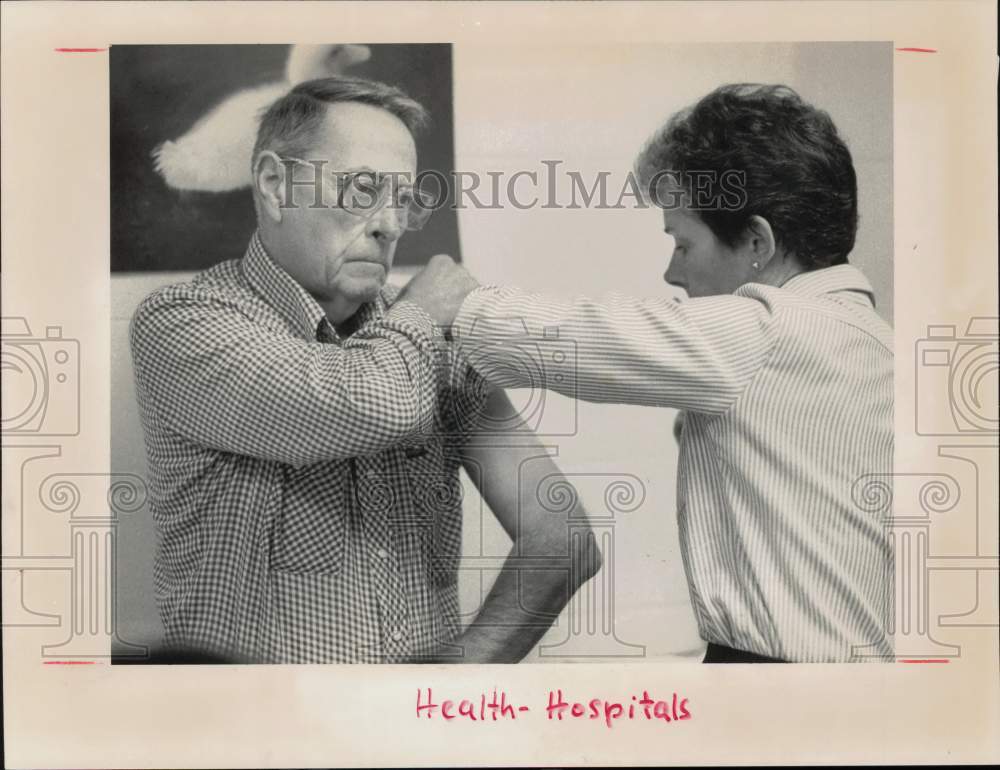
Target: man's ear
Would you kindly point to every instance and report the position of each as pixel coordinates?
(760, 242)
(269, 183)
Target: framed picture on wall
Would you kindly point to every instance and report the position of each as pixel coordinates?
(183, 120)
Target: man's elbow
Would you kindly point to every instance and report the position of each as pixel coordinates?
(414, 416)
(384, 417)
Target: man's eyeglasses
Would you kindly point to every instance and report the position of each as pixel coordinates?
(365, 193)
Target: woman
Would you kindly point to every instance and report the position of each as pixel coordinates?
(778, 359)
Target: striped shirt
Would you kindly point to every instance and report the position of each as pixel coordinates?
(304, 486)
(788, 401)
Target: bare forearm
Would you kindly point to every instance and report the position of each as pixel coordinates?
(525, 600)
(553, 550)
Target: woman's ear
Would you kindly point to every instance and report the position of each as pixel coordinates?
(268, 184)
(760, 242)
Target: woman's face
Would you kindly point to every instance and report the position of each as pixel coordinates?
(701, 264)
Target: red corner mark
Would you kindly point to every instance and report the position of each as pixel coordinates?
(918, 50)
(80, 50)
(925, 661)
(69, 662)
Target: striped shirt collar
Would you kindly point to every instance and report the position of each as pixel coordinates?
(291, 300)
(829, 280)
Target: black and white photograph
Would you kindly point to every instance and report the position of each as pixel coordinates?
(457, 380)
(499, 384)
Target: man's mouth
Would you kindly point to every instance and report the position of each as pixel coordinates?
(368, 261)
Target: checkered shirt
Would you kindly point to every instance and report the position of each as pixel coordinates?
(305, 487)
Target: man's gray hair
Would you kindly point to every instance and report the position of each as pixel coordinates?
(288, 126)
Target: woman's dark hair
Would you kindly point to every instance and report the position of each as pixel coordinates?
(794, 169)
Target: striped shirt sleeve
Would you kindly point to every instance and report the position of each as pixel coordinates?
(209, 375)
(697, 355)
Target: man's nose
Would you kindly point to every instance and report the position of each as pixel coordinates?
(386, 224)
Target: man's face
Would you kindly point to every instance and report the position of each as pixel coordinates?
(701, 264)
(337, 256)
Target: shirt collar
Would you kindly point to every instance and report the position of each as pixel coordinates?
(829, 280)
(292, 301)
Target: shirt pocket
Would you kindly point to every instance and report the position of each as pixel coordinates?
(311, 531)
(436, 494)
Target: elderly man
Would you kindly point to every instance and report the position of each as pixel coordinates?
(305, 438)
(778, 360)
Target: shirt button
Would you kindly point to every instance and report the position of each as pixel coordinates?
(382, 553)
(397, 635)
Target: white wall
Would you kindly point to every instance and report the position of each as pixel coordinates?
(591, 108)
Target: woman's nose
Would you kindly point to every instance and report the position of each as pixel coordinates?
(675, 271)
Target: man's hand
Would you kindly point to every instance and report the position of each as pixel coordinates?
(440, 288)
